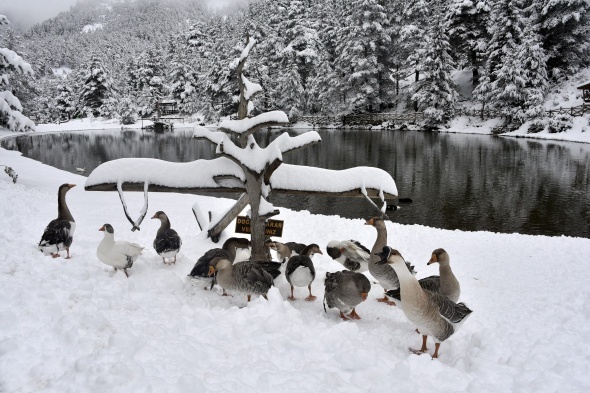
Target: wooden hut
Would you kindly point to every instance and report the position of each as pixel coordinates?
(585, 87)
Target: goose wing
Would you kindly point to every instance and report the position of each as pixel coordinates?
(354, 249)
(449, 310)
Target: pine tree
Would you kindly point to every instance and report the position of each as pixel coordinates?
(96, 91)
(360, 41)
(436, 92)
(10, 106)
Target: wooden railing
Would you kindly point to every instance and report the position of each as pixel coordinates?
(380, 118)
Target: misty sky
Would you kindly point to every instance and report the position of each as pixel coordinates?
(25, 13)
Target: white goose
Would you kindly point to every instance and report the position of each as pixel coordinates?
(119, 254)
(433, 314)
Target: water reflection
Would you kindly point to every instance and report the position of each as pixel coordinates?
(467, 182)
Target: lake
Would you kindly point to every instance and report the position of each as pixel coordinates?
(456, 181)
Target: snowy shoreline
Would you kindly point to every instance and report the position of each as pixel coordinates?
(73, 325)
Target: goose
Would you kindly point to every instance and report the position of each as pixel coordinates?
(445, 284)
(381, 270)
(345, 290)
(227, 251)
(434, 314)
(167, 242)
(59, 233)
(249, 278)
(300, 271)
(286, 250)
(349, 253)
(119, 254)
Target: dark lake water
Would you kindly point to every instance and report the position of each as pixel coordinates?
(456, 181)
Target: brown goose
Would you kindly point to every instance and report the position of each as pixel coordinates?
(300, 271)
(167, 242)
(227, 251)
(345, 290)
(434, 314)
(59, 233)
(249, 278)
(445, 284)
(286, 250)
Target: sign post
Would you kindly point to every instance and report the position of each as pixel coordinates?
(273, 227)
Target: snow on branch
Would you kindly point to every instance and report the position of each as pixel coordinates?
(195, 174)
(249, 125)
(201, 174)
(4, 20)
(253, 157)
(250, 88)
(246, 50)
(310, 179)
(9, 59)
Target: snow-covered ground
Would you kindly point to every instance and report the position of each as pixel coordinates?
(74, 326)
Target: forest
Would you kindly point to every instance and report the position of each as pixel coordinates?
(116, 58)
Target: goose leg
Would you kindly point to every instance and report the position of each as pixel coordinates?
(292, 297)
(310, 297)
(249, 296)
(174, 261)
(264, 296)
(56, 255)
(354, 315)
(68, 251)
(343, 316)
(384, 299)
(125, 271)
(423, 349)
(436, 346)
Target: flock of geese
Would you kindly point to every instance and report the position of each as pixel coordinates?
(429, 303)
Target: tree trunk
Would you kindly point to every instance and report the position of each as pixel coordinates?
(257, 223)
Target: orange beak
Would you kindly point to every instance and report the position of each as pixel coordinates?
(211, 271)
(154, 217)
(369, 222)
(101, 228)
(433, 259)
(364, 295)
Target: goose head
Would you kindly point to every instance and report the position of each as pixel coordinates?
(376, 222)
(65, 188)
(160, 215)
(390, 255)
(217, 264)
(107, 228)
(439, 256)
(312, 249)
(333, 249)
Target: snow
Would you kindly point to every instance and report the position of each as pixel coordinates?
(243, 125)
(246, 51)
(92, 27)
(73, 325)
(250, 88)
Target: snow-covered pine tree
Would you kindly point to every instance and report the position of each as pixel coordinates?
(96, 90)
(10, 107)
(468, 32)
(182, 78)
(564, 27)
(532, 59)
(64, 101)
(505, 28)
(360, 41)
(436, 92)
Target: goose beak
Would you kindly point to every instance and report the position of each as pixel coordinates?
(433, 259)
(155, 216)
(364, 295)
(369, 222)
(101, 228)
(211, 271)
(71, 185)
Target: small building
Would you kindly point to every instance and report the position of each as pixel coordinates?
(585, 87)
(166, 108)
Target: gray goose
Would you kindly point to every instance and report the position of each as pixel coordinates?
(345, 290)
(119, 254)
(227, 251)
(445, 283)
(349, 253)
(167, 242)
(434, 314)
(381, 270)
(286, 250)
(248, 277)
(300, 271)
(59, 233)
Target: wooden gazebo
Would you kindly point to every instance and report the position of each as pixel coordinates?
(585, 87)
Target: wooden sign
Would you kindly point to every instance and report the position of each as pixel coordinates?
(273, 227)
